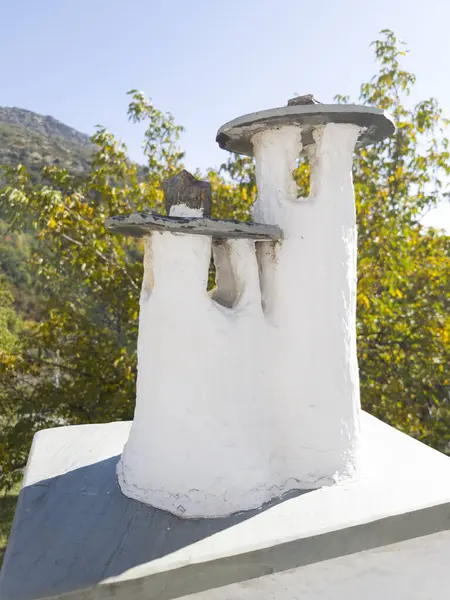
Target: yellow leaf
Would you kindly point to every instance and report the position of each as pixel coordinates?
(363, 300)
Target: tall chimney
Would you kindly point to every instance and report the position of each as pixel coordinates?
(252, 391)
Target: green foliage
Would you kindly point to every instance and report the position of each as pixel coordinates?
(76, 362)
(9, 320)
(404, 322)
(7, 507)
(10, 329)
(15, 254)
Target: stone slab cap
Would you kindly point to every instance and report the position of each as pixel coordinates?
(140, 224)
(75, 536)
(307, 113)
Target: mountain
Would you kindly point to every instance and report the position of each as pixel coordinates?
(37, 140)
(45, 125)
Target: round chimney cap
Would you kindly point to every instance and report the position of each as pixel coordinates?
(236, 135)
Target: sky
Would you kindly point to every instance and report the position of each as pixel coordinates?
(207, 61)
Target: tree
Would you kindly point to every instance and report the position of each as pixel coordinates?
(77, 364)
(404, 320)
(10, 322)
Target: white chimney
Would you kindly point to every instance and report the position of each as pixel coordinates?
(252, 391)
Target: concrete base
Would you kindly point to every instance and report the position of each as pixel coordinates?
(76, 536)
(417, 569)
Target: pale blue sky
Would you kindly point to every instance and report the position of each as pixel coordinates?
(206, 61)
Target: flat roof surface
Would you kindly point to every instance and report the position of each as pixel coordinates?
(75, 532)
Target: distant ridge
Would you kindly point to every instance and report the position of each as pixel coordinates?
(45, 125)
(36, 140)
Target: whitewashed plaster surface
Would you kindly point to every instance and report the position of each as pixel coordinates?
(253, 391)
(417, 569)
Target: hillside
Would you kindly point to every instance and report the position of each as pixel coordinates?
(37, 140)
